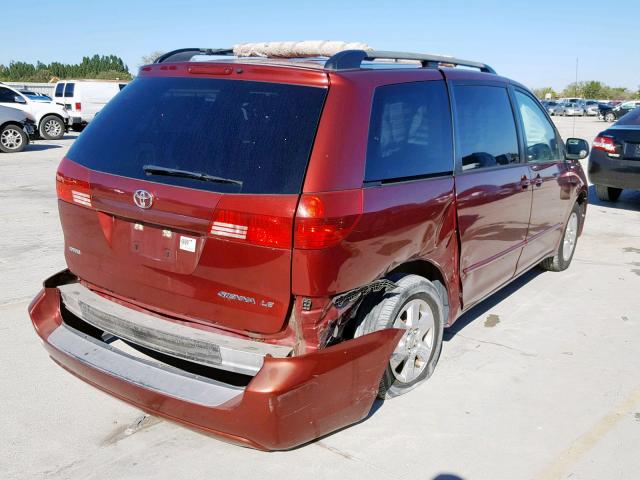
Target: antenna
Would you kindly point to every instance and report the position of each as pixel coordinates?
(576, 90)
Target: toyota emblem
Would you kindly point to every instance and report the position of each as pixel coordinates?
(143, 199)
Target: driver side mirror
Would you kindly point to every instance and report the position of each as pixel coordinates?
(576, 149)
(19, 99)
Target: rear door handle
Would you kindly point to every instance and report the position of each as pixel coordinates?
(537, 181)
(525, 182)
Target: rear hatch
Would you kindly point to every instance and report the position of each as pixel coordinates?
(181, 196)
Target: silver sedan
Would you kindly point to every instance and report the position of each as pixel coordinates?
(573, 110)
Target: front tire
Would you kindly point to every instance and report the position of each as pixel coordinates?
(608, 194)
(51, 128)
(416, 306)
(562, 259)
(609, 117)
(13, 139)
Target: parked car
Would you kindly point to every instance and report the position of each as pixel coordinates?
(613, 113)
(572, 110)
(258, 247)
(52, 120)
(554, 108)
(614, 163)
(38, 97)
(16, 128)
(590, 108)
(85, 98)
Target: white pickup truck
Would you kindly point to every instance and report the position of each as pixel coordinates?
(52, 119)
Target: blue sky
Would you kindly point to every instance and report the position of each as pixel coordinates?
(534, 42)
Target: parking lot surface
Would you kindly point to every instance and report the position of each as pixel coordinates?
(540, 381)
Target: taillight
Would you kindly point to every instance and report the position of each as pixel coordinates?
(73, 190)
(78, 106)
(606, 144)
(257, 229)
(324, 219)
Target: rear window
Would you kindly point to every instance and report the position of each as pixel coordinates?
(68, 91)
(631, 118)
(59, 89)
(257, 134)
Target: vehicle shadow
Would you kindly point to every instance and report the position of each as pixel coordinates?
(36, 147)
(483, 307)
(629, 200)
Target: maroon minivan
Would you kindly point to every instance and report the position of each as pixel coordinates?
(257, 247)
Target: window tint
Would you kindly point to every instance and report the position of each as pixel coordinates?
(631, 118)
(409, 132)
(540, 137)
(257, 133)
(59, 89)
(7, 96)
(68, 91)
(485, 127)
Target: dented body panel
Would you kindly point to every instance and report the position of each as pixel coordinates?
(289, 402)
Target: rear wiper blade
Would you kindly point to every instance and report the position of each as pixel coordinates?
(174, 172)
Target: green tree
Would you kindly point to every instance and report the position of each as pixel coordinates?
(542, 92)
(592, 89)
(147, 59)
(574, 89)
(97, 66)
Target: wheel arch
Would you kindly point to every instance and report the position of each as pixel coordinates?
(582, 200)
(431, 272)
(52, 114)
(10, 122)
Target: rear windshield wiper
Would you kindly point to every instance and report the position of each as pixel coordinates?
(174, 172)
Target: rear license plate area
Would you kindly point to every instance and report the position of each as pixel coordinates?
(632, 150)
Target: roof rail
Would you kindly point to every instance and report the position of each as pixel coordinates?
(344, 60)
(185, 54)
(352, 59)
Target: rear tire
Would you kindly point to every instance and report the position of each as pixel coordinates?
(562, 259)
(609, 117)
(416, 306)
(51, 128)
(608, 194)
(13, 139)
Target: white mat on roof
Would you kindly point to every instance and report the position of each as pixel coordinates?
(307, 48)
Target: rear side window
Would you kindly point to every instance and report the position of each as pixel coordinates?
(631, 118)
(257, 135)
(410, 132)
(59, 89)
(68, 91)
(485, 127)
(7, 96)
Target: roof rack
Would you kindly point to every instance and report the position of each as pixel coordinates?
(344, 60)
(185, 54)
(352, 59)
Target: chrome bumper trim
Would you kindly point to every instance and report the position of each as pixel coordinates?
(164, 336)
(150, 375)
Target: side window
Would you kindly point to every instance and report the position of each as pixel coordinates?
(68, 91)
(540, 136)
(59, 89)
(7, 96)
(409, 132)
(485, 127)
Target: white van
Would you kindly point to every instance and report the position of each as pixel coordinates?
(85, 98)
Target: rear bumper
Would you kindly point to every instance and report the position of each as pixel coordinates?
(611, 172)
(289, 402)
